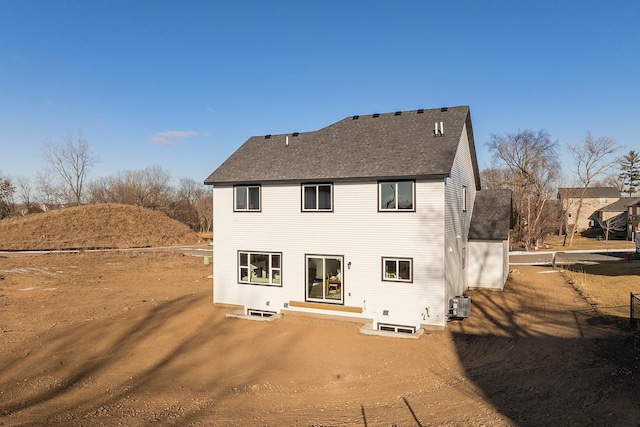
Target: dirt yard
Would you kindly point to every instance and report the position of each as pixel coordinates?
(134, 339)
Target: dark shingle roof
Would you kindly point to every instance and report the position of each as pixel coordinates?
(491, 215)
(620, 205)
(592, 192)
(389, 145)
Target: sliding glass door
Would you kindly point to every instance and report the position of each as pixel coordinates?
(325, 278)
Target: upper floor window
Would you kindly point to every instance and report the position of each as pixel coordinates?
(396, 196)
(247, 198)
(316, 197)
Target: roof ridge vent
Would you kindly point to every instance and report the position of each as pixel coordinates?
(444, 109)
(376, 115)
(267, 136)
(355, 117)
(398, 113)
(420, 111)
(295, 134)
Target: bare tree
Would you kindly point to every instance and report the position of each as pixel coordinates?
(24, 190)
(6, 197)
(593, 158)
(70, 162)
(204, 206)
(98, 191)
(195, 201)
(529, 165)
(150, 188)
(496, 179)
(611, 180)
(49, 193)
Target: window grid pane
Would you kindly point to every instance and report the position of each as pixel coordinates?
(309, 197)
(404, 270)
(324, 197)
(254, 198)
(241, 198)
(405, 195)
(387, 195)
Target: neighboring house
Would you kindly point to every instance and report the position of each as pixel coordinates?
(633, 220)
(594, 198)
(367, 218)
(615, 217)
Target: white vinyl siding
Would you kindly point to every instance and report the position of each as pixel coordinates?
(457, 219)
(355, 230)
(488, 264)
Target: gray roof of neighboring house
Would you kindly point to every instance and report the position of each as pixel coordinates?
(620, 205)
(592, 192)
(491, 215)
(378, 146)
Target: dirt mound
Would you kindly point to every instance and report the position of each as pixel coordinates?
(92, 227)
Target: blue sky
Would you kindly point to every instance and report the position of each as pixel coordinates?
(182, 84)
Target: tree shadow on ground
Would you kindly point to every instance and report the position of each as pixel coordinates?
(87, 372)
(549, 363)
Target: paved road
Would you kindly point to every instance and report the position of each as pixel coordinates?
(516, 257)
(195, 250)
(570, 257)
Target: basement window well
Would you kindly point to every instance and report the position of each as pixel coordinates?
(396, 328)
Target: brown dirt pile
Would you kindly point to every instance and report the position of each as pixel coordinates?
(94, 226)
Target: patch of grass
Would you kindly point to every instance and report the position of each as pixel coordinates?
(557, 243)
(606, 286)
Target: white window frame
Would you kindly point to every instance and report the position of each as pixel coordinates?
(247, 276)
(317, 194)
(325, 282)
(247, 198)
(386, 276)
(395, 207)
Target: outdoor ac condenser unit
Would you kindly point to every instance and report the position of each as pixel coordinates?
(461, 307)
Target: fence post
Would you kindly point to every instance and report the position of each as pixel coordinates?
(633, 323)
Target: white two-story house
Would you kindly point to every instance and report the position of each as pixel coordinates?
(367, 218)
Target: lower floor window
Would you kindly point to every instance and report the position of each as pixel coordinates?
(324, 278)
(261, 268)
(397, 269)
